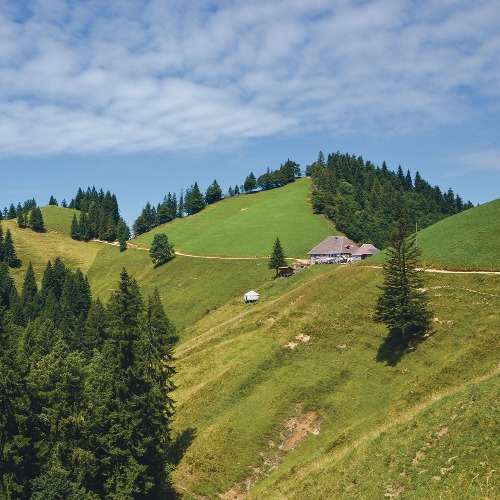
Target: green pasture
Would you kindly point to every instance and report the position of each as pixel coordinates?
(468, 241)
(247, 225)
(241, 383)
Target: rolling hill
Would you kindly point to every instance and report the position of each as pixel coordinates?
(302, 395)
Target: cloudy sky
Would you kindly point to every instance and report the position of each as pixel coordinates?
(147, 97)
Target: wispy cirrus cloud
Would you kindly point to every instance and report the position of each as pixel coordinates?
(160, 76)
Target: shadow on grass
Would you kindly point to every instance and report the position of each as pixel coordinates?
(177, 450)
(394, 347)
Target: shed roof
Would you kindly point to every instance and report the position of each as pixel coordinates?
(366, 249)
(334, 245)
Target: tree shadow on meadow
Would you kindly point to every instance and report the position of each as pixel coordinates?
(394, 347)
(177, 450)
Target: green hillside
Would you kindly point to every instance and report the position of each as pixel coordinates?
(468, 241)
(302, 394)
(247, 225)
(313, 358)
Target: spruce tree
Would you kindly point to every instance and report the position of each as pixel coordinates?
(9, 252)
(15, 457)
(75, 228)
(403, 305)
(277, 258)
(36, 219)
(29, 294)
(131, 412)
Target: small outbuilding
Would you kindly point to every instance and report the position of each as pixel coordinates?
(251, 296)
(286, 271)
(364, 251)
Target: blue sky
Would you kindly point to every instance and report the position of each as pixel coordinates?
(143, 98)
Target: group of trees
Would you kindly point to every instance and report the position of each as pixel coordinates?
(7, 249)
(28, 215)
(99, 217)
(85, 389)
(33, 219)
(190, 202)
(365, 201)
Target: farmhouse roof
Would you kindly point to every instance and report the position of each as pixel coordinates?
(366, 249)
(334, 245)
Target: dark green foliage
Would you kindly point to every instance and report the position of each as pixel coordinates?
(84, 412)
(2, 252)
(161, 250)
(12, 212)
(194, 201)
(21, 220)
(213, 194)
(53, 201)
(14, 414)
(9, 252)
(250, 183)
(131, 409)
(29, 295)
(122, 234)
(365, 201)
(6, 285)
(99, 215)
(403, 305)
(277, 258)
(36, 219)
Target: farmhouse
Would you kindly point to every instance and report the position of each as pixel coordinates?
(364, 251)
(332, 249)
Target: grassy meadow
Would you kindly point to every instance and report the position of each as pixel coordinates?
(467, 241)
(243, 386)
(247, 225)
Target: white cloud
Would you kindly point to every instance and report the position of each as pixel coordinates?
(486, 160)
(80, 77)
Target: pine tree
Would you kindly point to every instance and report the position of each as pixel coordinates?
(402, 305)
(277, 258)
(36, 219)
(122, 234)
(21, 220)
(29, 294)
(52, 201)
(75, 228)
(250, 183)
(15, 456)
(9, 252)
(131, 412)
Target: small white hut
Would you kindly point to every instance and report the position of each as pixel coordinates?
(251, 296)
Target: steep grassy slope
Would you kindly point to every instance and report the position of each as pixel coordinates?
(249, 224)
(55, 241)
(245, 389)
(468, 241)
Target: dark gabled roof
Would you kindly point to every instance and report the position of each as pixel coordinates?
(334, 245)
(367, 249)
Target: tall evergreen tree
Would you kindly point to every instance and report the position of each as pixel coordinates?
(36, 219)
(29, 294)
(277, 258)
(9, 252)
(403, 305)
(130, 410)
(15, 449)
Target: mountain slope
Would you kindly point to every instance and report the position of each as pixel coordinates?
(314, 359)
(247, 225)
